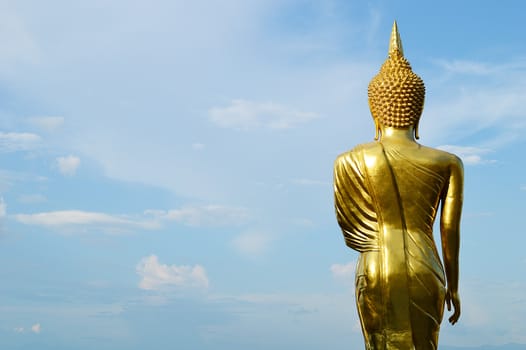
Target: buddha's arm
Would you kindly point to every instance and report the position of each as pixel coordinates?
(354, 208)
(450, 234)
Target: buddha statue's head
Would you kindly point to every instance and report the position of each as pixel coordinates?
(396, 94)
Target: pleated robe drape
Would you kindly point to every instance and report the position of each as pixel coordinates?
(400, 284)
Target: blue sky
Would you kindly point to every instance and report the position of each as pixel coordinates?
(166, 167)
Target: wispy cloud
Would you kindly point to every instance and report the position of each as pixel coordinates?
(3, 208)
(198, 146)
(523, 187)
(157, 277)
(75, 220)
(479, 214)
(68, 165)
(18, 44)
(247, 115)
(469, 155)
(83, 220)
(471, 97)
(310, 182)
(344, 272)
(480, 68)
(207, 215)
(493, 323)
(31, 198)
(466, 67)
(302, 222)
(36, 328)
(18, 141)
(331, 314)
(252, 244)
(47, 123)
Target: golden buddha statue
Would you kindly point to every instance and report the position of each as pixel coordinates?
(387, 195)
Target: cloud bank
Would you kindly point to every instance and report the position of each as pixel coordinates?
(248, 115)
(68, 165)
(157, 277)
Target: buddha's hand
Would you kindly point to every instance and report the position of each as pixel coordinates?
(453, 298)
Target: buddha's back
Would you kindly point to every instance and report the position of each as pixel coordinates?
(387, 196)
(422, 176)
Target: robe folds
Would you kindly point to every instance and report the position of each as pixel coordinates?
(386, 205)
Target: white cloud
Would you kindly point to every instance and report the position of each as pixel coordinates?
(523, 187)
(47, 123)
(252, 244)
(303, 222)
(31, 198)
(295, 317)
(310, 182)
(469, 155)
(471, 98)
(83, 219)
(480, 214)
(344, 273)
(478, 68)
(493, 323)
(246, 115)
(36, 328)
(68, 165)
(74, 220)
(3, 207)
(156, 276)
(16, 40)
(208, 215)
(466, 67)
(18, 141)
(197, 146)
(9, 179)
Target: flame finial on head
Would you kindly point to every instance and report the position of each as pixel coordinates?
(396, 94)
(396, 42)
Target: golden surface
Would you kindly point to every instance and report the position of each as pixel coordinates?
(387, 195)
(396, 94)
(395, 44)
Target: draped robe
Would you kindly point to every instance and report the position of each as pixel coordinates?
(386, 204)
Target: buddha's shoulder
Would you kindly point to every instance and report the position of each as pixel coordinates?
(442, 156)
(355, 152)
(441, 153)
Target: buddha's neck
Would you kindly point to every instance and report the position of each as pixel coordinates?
(400, 135)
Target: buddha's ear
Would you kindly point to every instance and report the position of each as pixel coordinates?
(377, 130)
(416, 129)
